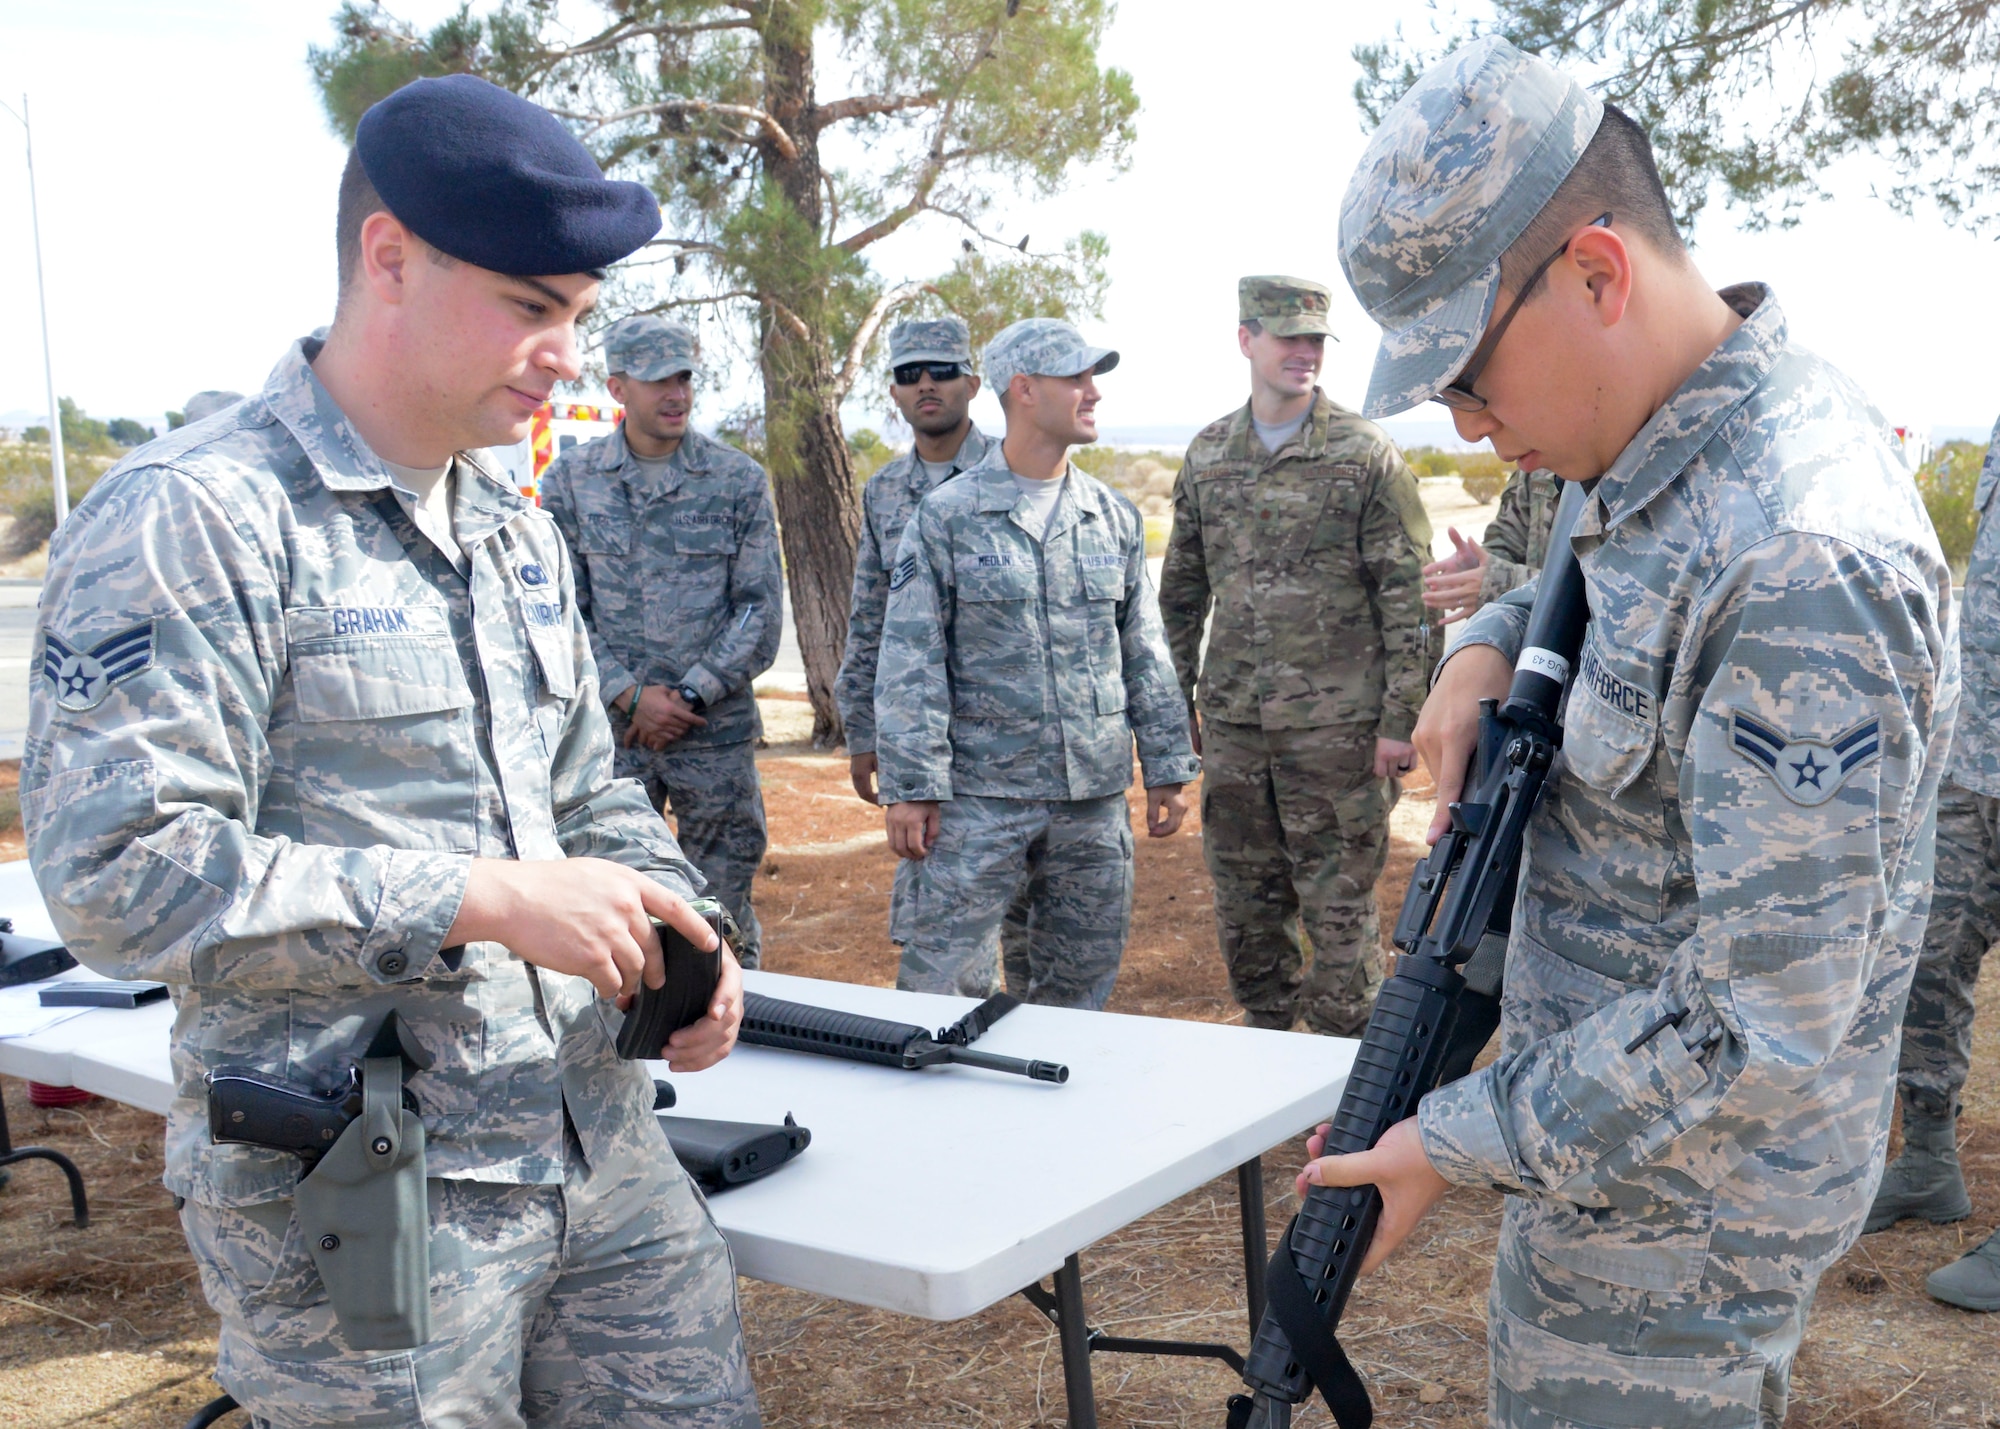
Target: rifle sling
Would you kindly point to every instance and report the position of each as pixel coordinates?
(1319, 1354)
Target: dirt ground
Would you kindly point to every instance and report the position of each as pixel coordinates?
(106, 1327)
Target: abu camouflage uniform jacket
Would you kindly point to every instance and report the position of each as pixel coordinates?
(1975, 747)
(272, 726)
(1517, 538)
(1726, 884)
(678, 579)
(887, 502)
(1023, 669)
(1312, 557)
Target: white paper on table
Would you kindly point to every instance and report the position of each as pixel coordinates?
(21, 1010)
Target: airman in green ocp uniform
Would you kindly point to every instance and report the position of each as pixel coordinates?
(1298, 526)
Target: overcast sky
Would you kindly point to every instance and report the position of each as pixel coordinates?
(187, 188)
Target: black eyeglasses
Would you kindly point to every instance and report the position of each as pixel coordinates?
(1459, 396)
(911, 373)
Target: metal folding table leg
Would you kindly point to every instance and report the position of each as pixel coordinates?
(1256, 1240)
(78, 1205)
(1076, 1337)
(1079, 1341)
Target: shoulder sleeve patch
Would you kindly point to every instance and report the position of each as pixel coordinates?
(82, 678)
(903, 574)
(1806, 771)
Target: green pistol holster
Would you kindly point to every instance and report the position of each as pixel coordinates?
(363, 1211)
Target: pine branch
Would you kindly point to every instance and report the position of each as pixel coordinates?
(862, 106)
(850, 370)
(773, 130)
(935, 161)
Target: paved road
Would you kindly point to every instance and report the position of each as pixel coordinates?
(17, 636)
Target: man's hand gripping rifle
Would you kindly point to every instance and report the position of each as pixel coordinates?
(1461, 891)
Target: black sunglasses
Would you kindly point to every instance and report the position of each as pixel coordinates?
(911, 373)
(1459, 396)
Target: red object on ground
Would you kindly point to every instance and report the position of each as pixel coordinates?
(42, 1094)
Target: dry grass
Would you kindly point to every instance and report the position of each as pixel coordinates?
(106, 1326)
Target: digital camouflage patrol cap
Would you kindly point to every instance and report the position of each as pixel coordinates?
(650, 349)
(207, 403)
(1284, 307)
(1042, 347)
(1456, 172)
(945, 339)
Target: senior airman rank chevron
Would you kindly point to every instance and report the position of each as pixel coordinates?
(82, 678)
(1807, 771)
(905, 569)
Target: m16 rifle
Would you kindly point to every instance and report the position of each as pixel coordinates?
(1461, 891)
(771, 1022)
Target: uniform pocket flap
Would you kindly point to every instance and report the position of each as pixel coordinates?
(1593, 1384)
(378, 679)
(604, 535)
(1604, 747)
(556, 654)
(1103, 575)
(704, 533)
(996, 575)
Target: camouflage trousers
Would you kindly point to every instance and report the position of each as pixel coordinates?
(1965, 922)
(1065, 865)
(1295, 827)
(902, 900)
(1570, 1352)
(717, 805)
(605, 1301)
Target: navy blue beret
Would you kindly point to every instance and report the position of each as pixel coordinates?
(490, 178)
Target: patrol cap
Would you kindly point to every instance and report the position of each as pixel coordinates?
(650, 349)
(1459, 168)
(490, 178)
(1042, 347)
(1284, 307)
(945, 339)
(208, 403)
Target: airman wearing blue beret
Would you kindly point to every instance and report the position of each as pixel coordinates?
(316, 737)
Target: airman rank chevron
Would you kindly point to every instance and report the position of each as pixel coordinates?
(82, 678)
(905, 570)
(1807, 771)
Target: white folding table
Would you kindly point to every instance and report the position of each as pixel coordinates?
(934, 1193)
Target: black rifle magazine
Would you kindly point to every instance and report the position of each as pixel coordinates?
(102, 994)
(659, 1012)
(24, 959)
(721, 1154)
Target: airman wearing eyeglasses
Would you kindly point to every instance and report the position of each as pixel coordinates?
(1726, 882)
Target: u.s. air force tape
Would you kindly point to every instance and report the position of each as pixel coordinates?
(1544, 662)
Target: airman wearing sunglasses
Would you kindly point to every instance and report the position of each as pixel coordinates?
(1299, 525)
(932, 383)
(1726, 882)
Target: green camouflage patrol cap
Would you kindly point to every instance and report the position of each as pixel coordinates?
(945, 339)
(1457, 170)
(1284, 307)
(1042, 347)
(650, 349)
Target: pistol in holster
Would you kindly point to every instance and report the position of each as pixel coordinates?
(360, 1202)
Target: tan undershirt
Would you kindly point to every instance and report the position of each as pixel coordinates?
(430, 491)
